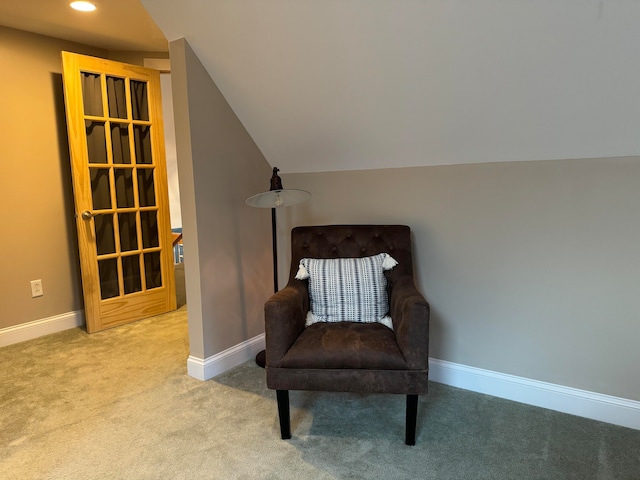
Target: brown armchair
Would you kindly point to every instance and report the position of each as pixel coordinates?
(349, 356)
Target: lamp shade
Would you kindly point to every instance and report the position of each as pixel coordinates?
(278, 198)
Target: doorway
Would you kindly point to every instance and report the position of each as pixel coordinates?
(172, 174)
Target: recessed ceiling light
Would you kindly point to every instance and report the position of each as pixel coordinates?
(83, 6)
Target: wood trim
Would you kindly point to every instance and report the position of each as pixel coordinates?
(205, 369)
(596, 406)
(39, 328)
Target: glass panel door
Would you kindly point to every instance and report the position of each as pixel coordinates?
(119, 174)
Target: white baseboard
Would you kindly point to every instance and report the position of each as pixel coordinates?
(205, 369)
(596, 406)
(38, 328)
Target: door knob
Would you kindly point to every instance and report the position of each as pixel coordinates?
(87, 215)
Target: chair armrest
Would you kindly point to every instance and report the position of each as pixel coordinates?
(284, 314)
(410, 314)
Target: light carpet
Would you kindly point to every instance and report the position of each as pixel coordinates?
(119, 405)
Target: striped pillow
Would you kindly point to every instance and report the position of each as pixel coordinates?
(348, 289)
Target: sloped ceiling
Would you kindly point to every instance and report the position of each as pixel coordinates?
(351, 84)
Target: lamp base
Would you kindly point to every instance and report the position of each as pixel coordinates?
(261, 359)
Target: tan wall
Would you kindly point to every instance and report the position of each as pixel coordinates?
(37, 215)
(531, 268)
(226, 243)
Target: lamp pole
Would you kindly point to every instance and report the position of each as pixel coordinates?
(276, 197)
(274, 242)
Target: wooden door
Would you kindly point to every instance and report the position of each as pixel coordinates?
(116, 144)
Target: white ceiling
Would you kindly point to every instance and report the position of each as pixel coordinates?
(115, 25)
(326, 85)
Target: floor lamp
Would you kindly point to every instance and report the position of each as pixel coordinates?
(276, 197)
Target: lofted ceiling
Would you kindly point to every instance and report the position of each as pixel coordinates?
(325, 85)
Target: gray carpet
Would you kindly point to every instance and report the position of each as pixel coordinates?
(119, 405)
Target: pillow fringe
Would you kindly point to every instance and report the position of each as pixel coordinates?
(302, 273)
(389, 262)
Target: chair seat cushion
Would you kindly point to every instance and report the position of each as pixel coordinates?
(345, 345)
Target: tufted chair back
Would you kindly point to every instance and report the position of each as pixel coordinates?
(350, 241)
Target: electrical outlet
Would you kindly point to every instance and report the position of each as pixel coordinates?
(36, 288)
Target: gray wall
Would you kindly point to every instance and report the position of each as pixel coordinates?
(531, 268)
(226, 243)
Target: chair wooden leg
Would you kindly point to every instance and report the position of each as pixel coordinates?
(283, 413)
(412, 414)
